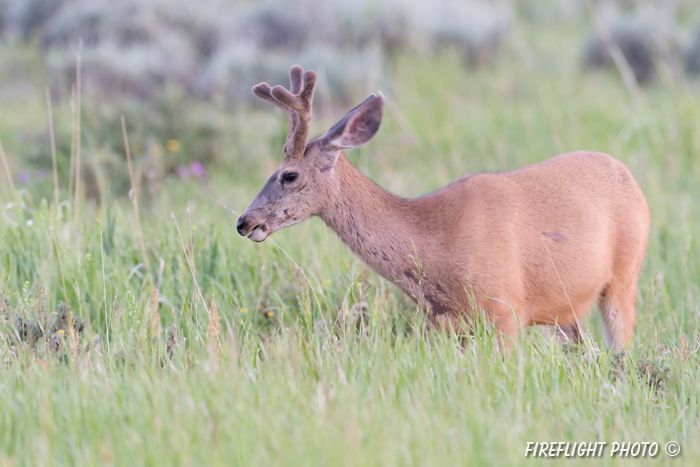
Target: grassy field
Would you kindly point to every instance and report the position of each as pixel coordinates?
(308, 357)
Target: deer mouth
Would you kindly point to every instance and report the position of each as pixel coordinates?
(255, 227)
(259, 233)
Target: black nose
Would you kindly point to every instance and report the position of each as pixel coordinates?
(240, 226)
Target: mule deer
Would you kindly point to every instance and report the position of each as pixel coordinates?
(538, 245)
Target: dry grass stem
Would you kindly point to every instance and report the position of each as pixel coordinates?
(78, 87)
(214, 326)
(71, 168)
(53, 145)
(8, 174)
(155, 316)
(135, 197)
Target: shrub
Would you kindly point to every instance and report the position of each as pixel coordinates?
(234, 70)
(692, 58)
(135, 46)
(29, 326)
(3, 14)
(476, 29)
(154, 62)
(24, 17)
(647, 42)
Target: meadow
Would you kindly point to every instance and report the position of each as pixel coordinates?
(165, 338)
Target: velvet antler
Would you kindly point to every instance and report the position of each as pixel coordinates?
(297, 103)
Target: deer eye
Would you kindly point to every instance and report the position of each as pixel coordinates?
(289, 176)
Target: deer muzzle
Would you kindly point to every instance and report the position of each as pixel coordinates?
(256, 230)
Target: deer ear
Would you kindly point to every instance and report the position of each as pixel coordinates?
(358, 126)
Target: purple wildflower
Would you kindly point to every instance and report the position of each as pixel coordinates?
(198, 170)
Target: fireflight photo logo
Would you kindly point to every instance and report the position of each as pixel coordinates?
(599, 449)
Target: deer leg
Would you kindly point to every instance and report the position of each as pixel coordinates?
(449, 322)
(504, 322)
(617, 310)
(569, 333)
(507, 329)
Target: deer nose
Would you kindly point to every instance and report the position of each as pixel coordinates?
(240, 226)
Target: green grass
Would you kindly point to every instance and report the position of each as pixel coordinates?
(297, 375)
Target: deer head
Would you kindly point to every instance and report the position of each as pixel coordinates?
(299, 187)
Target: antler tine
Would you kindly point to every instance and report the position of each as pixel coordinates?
(295, 79)
(301, 103)
(262, 90)
(300, 100)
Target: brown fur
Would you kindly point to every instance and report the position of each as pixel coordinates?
(538, 245)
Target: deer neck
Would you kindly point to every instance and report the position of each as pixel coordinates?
(381, 228)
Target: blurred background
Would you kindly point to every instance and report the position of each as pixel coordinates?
(181, 72)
